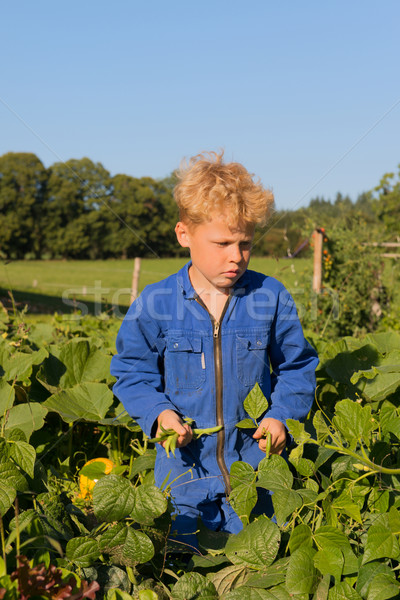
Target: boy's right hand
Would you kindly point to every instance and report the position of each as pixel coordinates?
(169, 419)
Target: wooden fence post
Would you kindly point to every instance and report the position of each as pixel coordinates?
(318, 237)
(135, 279)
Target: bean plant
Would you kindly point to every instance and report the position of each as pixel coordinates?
(336, 525)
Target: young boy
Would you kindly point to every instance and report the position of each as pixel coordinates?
(195, 344)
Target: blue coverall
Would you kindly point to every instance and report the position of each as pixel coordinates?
(171, 354)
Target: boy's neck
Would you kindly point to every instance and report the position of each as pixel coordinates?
(213, 298)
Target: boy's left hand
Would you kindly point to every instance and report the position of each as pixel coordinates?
(278, 435)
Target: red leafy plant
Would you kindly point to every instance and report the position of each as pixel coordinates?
(47, 582)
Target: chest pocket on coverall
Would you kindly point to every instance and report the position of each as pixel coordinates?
(252, 361)
(183, 363)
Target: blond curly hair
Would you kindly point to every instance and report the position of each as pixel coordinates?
(206, 185)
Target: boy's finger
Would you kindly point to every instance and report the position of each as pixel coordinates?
(278, 446)
(259, 433)
(261, 445)
(183, 440)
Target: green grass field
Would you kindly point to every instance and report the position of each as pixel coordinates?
(49, 286)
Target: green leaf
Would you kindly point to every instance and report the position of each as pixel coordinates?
(385, 342)
(9, 472)
(389, 418)
(16, 435)
(297, 430)
(7, 396)
(367, 573)
(194, 585)
(280, 592)
(342, 591)
(285, 503)
(344, 504)
(300, 537)
(112, 537)
(381, 542)
(82, 551)
(119, 416)
(393, 520)
(144, 462)
(243, 499)
(274, 575)
(354, 421)
(7, 496)
(341, 465)
(330, 514)
(322, 591)
(131, 546)
(94, 470)
(249, 593)
(344, 344)
(301, 576)
(74, 362)
(311, 485)
(303, 466)
(383, 586)
(138, 547)
(255, 403)
(18, 365)
(329, 537)
(274, 474)
(382, 379)
(246, 424)
(330, 561)
(114, 594)
(115, 577)
(113, 498)
(207, 561)
(345, 363)
(321, 427)
(86, 401)
(378, 500)
(10, 587)
(147, 595)
(28, 417)
(256, 545)
(24, 455)
(149, 504)
(324, 454)
(241, 473)
(228, 578)
(29, 521)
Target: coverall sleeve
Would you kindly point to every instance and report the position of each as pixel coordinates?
(293, 363)
(138, 367)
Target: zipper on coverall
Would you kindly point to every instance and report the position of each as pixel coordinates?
(217, 343)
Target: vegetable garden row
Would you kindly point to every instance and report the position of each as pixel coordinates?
(337, 501)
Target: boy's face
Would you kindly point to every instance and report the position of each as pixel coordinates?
(220, 254)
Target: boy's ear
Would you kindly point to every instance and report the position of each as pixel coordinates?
(182, 234)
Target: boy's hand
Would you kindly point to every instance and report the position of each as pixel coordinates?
(169, 419)
(278, 435)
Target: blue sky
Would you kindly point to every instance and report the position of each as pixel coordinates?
(305, 94)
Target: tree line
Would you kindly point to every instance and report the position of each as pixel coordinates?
(77, 210)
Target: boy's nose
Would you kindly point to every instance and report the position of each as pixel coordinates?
(236, 255)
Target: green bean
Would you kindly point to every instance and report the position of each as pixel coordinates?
(170, 437)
